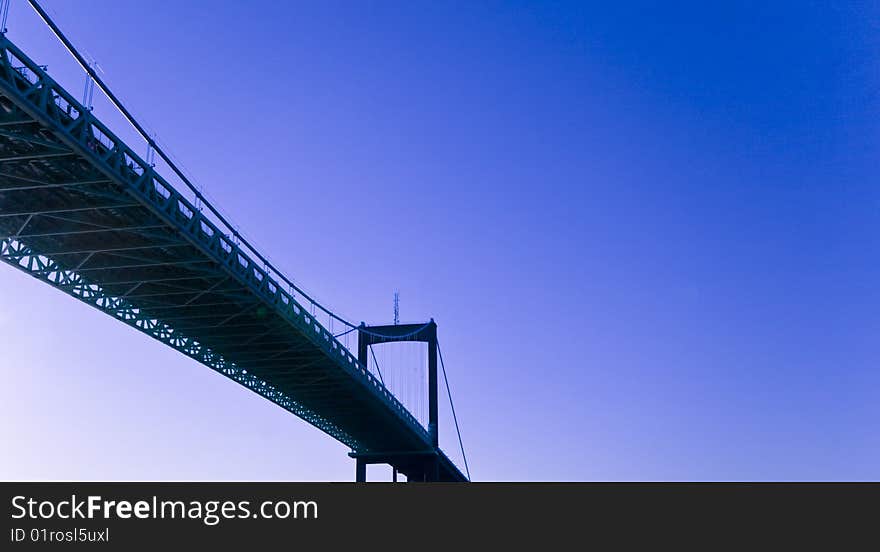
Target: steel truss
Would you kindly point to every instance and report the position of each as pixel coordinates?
(82, 212)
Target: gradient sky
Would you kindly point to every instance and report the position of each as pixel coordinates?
(648, 232)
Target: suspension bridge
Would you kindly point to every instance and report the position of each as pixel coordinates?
(82, 212)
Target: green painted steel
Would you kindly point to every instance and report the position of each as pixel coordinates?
(82, 212)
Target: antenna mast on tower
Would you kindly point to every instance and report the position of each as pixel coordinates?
(396, 308)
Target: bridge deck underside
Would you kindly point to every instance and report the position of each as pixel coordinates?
(70, 218)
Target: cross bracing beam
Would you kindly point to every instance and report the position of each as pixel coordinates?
(302, 363)
(163, 294)
(91, 231)
(32, 139)
(62, 210)
(15, 122)
(228, 331)
(84, 191)
(177, 319)
(165, 309)
(291, 347)
(47, 186)
(107, 241)
(178, 264)
(156, 256)
(80, 251)
(155, 280)
(35, 156)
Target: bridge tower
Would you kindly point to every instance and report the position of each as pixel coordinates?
(417, 465)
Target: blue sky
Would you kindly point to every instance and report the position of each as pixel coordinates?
(648, 233)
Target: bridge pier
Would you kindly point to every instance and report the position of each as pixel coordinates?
(417, 466)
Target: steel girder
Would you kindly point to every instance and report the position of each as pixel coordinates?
(43, 268)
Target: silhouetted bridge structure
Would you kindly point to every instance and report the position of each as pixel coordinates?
(82, 212)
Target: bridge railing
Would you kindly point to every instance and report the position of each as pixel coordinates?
(205, 222)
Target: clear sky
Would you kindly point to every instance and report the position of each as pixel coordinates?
(648, 232)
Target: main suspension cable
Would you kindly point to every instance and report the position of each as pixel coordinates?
(368, 331)
(452, 406)
(376, 362)
(171, 164)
